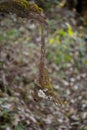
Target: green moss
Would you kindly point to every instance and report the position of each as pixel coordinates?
(20, 7)
(24, 3)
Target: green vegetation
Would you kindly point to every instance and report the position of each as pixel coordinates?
(42, 68)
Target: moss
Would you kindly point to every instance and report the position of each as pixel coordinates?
(20, 7)
(24, 3)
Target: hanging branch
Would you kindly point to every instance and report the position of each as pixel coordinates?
(42, 59)
(43, 82)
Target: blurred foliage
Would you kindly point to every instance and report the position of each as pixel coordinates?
(5, 116)
(85, 128)
(21, 126)
(66, 49)
(78, 6)
(47, 4)
(63, 43)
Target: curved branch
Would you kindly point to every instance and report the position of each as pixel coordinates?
(22, 8)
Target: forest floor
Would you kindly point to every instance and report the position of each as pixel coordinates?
(66, 60)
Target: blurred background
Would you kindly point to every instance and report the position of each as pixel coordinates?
(66, 61)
